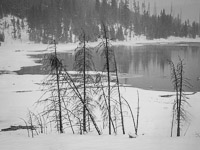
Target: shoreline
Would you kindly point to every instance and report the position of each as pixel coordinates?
(15, 104)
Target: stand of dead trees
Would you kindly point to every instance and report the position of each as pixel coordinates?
(70, 98)
(64, 94)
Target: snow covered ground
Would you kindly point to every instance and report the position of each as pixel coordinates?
(19, 93)
(19, 141)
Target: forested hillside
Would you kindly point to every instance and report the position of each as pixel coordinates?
(64, 20)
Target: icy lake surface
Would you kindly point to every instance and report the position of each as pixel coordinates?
(145, 66)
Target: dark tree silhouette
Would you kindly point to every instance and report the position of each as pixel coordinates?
(179, 81)
(83, 64)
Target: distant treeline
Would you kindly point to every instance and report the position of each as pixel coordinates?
(64, 19)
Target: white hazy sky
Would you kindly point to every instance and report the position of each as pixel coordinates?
(190, 8)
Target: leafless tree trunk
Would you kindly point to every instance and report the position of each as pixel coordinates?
(119, 95)
(58, 92)
(138, 112)
(83, 63)
(107, 55)
(179, 82)
(84, 83)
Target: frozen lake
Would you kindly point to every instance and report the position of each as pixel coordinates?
(144, 66)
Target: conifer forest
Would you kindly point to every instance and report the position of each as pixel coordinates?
(64, 19)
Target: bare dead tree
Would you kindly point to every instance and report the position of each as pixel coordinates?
(53, 87)
(119, 96)
(83, 64)
(179, 82)
(173, 115)
(138, 113)
(55, 63)
(107, 53)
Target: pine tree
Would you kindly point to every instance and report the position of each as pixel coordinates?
(119, 34)
(114, 11)
(97, 6)
(112, 34)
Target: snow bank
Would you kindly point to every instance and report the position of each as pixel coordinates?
(17, 94)
(20, 141)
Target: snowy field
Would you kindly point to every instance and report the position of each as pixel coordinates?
(18, 93)
(19, 141)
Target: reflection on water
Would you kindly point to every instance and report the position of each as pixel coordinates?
(147, 66)
(151, 61)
